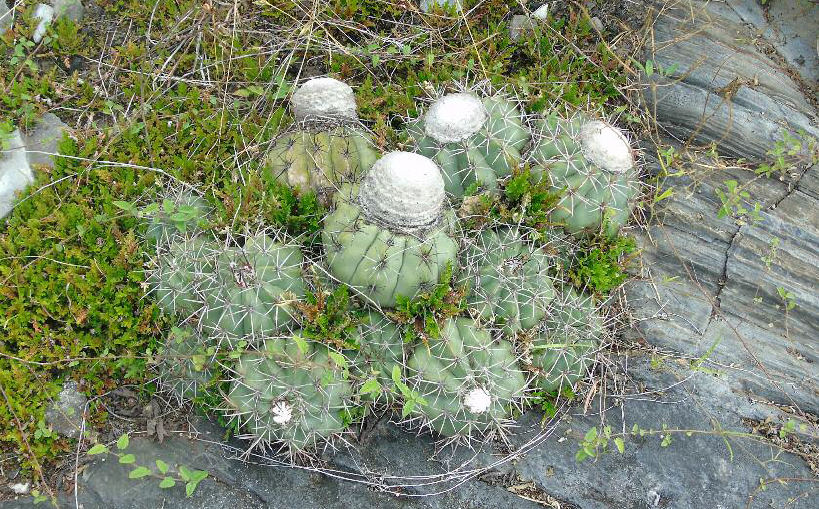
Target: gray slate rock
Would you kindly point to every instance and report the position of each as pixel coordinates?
(692, 472)
(41, 144)
(65, 415)
(70, 9)
(520, 25)
(5, 16)
(711, 44)
(15, 172)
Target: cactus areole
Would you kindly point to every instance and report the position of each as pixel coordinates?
(324, 98)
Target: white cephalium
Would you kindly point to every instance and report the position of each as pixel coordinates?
(455, 117)
(606, 147)
(477, 400)
(324, 98)
(403, 191)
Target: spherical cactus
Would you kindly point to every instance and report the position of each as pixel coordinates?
(469, 382)
(472, 139)
(594, 163)
(182, 274)
(392, 236)
(290, 391)
(187, 365)
(381, 349)
(328, 147)
(254, 290)
(178, 213)
(509, 279)
(564, 350)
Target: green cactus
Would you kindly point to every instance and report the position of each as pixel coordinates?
(594, 163)
(391, 237)
(290, 391)
(182, 275)
(381, 348)
(509, 279)
(187, 365)
(254, 290)
(320, 161)
(471, 139)
(564, 350)
(178, 212)
(470, 382)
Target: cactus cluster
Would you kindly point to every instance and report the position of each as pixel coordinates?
(391, 234)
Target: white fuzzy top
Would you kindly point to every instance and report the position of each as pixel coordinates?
(282, 412)
(477, 400)
(455, 117)
(403, 190)
(606, 147)
(324, 98)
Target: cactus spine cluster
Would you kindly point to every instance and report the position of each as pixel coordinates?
(509, 279)
(593, 162)
(471, 139)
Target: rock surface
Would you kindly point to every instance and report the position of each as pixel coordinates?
(70, 9)
(42, 143)
(65, 416)
(6, 19)
(731, 87)
(45, 13)
(15, 172)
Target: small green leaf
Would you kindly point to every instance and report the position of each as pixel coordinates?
(649, 67)
(621, 447)
(185, 473)
(338, 359)
(139, 473)
(408, 406)
(124, 205)
(371, 385)
(301, 344)
(189, 488)
(97, 449)
(167, 482)
(162, 466)
(127, 459)
(123, 442)
(396, 374)
(198, 475)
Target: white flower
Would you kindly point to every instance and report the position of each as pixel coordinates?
(477, 400)
(282, 412)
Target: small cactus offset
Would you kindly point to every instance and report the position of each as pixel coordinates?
(290, 393)
(381, 349)
(472, 139)
(176, 214)
(470, 382)
(509, 279)
(254, 290)
(181, 275)
(186, 364)
(391, 237)
(564, 349)
(594, 162)
(328, 147)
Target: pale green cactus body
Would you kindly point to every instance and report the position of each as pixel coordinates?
(186, 365)
(254, 290)
(391, 237)
(381, 349)
(320, 161)
(290, 391)
(182, 275)
(471, 139)
(178, 214)
(509, 279)
(470, 382)
(565, 349)
(594, 164)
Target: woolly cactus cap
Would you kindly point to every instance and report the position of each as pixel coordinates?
(324, 98)
(455, 117)
(606, 147)
(403, 191)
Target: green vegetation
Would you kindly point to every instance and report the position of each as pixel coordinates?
(601, 267)
(198, 100)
